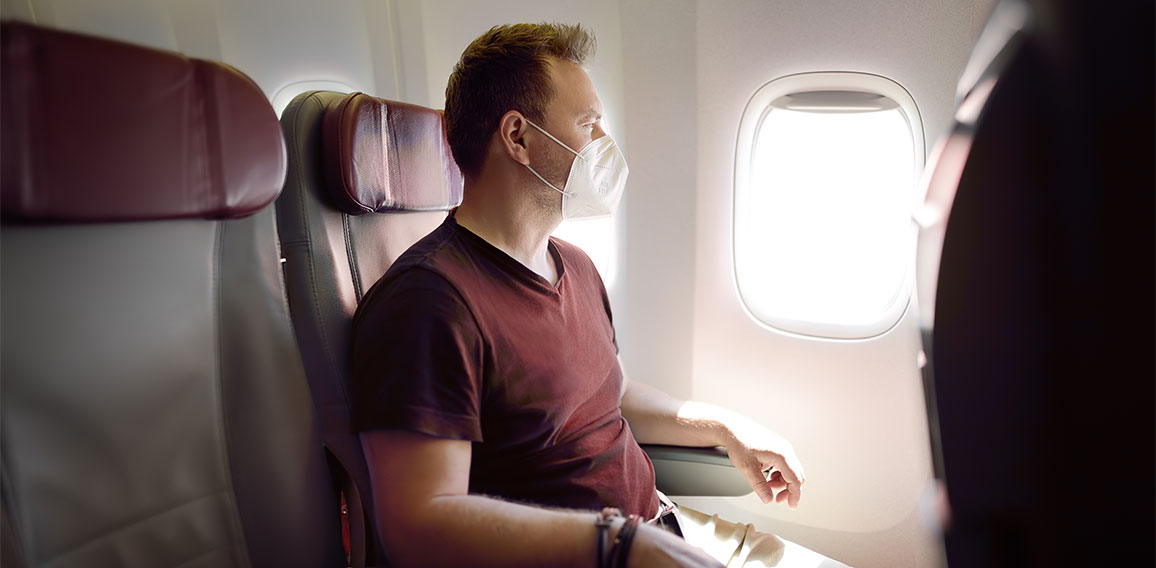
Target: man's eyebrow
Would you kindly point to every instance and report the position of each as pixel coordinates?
(592, 114)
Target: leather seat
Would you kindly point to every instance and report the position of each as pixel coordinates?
(367, 178)
(155, 411)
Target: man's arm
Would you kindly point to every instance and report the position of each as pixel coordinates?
(428, 518)
(658, 418)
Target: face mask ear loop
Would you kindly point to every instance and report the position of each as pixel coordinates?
(559, 142)
(551, 136)
(548, 183)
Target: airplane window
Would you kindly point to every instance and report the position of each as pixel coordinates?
(824, 183)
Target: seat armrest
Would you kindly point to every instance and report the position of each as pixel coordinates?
(705, 472)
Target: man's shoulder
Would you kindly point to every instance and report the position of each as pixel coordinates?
(425, 252)
(419, 270)
(415, 296)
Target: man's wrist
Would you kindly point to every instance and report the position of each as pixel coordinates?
(723, 427)
(724, 433)
(712, 423)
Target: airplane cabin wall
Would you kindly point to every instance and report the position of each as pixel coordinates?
(275, 42)
(853, 409)
(674, 77)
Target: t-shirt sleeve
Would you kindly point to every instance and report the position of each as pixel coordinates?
(417, 359)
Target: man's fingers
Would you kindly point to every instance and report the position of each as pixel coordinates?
(776, 482)
(797, 467)
(783, 485)
(754, 475)
(794, 491)
(789, 495)
(791, 472)
(784, 492)
(788, 483)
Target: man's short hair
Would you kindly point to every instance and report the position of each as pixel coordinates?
(505, 69)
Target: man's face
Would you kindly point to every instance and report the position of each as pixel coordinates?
(573, 116)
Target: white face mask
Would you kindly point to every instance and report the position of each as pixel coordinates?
(597, 178)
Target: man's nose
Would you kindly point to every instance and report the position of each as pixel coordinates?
(597, 132)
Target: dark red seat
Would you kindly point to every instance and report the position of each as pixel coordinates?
(155, 411)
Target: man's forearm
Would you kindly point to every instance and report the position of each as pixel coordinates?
(473, 530)
(658, 418)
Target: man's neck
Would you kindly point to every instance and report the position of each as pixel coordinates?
(512, 222)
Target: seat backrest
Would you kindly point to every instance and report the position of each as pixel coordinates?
(1039, 234)
(155, 411)
(367, 178)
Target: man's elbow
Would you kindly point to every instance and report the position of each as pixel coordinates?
(414, 533)
(408, 542)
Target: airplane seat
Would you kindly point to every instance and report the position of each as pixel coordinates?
(155, 411)
(367, 179)
(1041, 336)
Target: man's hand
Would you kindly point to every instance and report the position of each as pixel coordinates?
(653, 546)
(657, 418)
(754, 449)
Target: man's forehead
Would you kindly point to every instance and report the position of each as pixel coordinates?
(574, 92)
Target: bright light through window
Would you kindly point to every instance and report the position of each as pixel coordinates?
(823, 230)
(598, 237)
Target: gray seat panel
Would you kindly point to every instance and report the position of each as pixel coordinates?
(154, 411)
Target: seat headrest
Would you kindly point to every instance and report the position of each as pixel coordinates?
(97, 130)
(388, 156)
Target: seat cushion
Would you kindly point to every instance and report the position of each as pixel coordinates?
(388, 156)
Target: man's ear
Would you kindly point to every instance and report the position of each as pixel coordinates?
(511, 132)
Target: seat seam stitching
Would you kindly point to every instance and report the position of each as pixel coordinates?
(351, 256)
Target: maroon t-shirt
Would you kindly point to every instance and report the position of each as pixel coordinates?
(459, 340)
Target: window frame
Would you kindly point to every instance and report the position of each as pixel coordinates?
(750, 124)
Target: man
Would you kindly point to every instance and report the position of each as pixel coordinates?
(487, 388)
